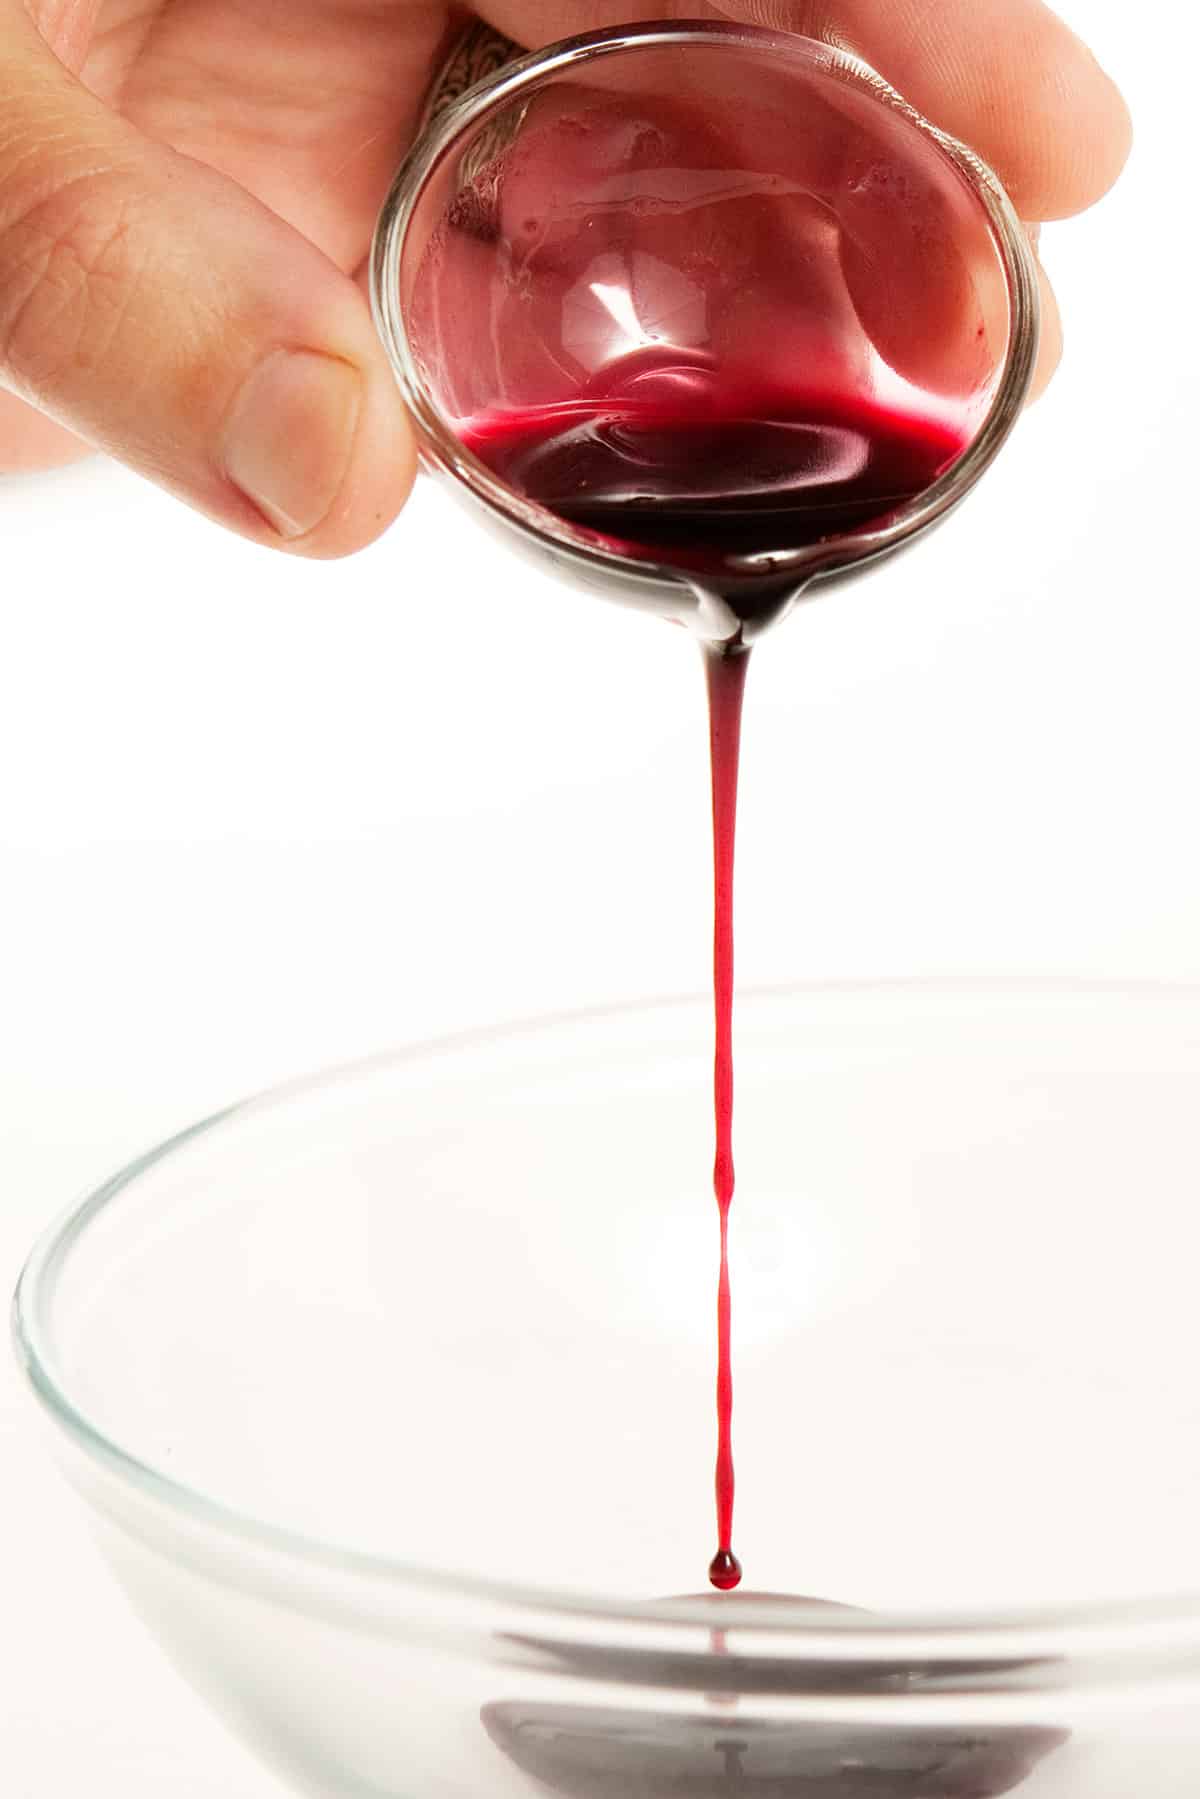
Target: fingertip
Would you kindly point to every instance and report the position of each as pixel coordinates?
(1050, 343)
(1055, 125)
(378, 478)
(1014, 82)
(319, 452)
(1116, 136)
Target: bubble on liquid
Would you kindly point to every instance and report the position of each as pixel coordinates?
(659, 380)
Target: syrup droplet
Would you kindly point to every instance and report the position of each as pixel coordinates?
(725, 1571)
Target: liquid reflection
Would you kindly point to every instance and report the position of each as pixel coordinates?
(581, 1752)
(610, 1752)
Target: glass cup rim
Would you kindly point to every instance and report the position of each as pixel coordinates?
(1100, 1633)
(442, 450)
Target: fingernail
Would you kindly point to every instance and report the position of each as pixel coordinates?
(290, 434)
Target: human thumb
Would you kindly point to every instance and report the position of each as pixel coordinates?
(166, 316)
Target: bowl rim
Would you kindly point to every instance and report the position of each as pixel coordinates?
(1104, 1628)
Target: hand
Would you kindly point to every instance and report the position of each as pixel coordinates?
(188, 190)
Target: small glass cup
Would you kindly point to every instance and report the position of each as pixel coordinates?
(537, 235)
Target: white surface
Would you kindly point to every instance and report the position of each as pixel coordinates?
(257, 815)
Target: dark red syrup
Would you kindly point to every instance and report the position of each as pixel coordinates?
(674, 462)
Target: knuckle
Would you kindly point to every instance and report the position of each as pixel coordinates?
(70, 266)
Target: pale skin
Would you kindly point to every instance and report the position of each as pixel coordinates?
(188, 190)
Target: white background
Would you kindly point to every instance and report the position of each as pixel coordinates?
(257, 815)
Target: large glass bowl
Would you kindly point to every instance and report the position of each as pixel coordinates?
(391, 1396)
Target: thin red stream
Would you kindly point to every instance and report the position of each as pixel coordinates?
(667, 455)
(726, 685)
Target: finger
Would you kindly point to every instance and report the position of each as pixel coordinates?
(312, 114)
(1050, 348)
(1010, 79)
(156, 309)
